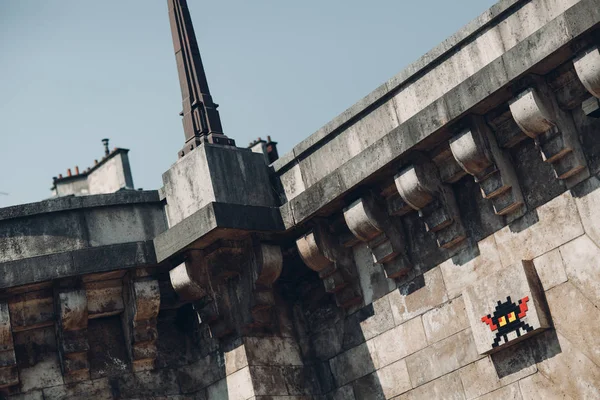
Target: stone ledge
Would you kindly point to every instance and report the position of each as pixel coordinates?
(78, 262)
(215, 221)
(447, 109)
(78, 202)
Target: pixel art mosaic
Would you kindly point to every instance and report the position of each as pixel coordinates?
(507, 318)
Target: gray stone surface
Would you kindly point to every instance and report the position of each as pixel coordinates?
(485, 375)
(397, 343)
(570, 371)
(571, 312)
(394, 379)
(214, 221)
(538, 386)
(510, 392)
(556, 223)
(442, 357)
(471, 265)
(446, 320)
(420, 298)
(352, 364)
(581, 264)
(447, 387)
(215, 173)
(518, 282)
(550, 269)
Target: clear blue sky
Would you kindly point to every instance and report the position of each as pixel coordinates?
(75, 71)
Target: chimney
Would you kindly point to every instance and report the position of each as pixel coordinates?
(76, 170)
(60, 176)
(272, 154)
(69, 172)
(105, 143)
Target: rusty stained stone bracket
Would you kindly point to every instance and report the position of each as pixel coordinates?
(335, 264)
(268, 264)
(537, 113)
(9, 375)
(205, 276)
(369, 222)
(477, 152)
(419, 185)
(142, 304)
(587, 67)
(72, 334)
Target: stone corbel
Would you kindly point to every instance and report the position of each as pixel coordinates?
(537, 114)
(477, 152)
(267, 269)
(335, 266)
(587, 67)
(142, 304)
(9, 375)
(203, 278)
(368, 220)
(420, 187)
(72, 323)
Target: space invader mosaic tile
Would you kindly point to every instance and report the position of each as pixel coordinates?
(506, 307)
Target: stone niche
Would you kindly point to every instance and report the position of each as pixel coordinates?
(506, 308)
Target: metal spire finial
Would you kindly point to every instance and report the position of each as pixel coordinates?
(201, 121)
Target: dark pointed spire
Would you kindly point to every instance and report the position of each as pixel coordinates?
(201, 121)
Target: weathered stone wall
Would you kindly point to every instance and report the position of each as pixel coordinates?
(438, 240)
(416, 341)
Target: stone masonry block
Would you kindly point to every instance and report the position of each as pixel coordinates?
(394, 379)
(550, 269)
(237, 386)
(570, 370)
(352, 364)
(202, 373)
(581, 264)
(576, 317)
(506, 308)
(483, 376)
(397, 343)
(470, 265)
(235, 359)
(537, 386)
(416, 302)
(448, 387)
(272, 351)
(588, 205)
(381, 321)
(510, 392)
(268, 381)
(343, 393)
(539, 231)
(442, 357)
(446, 320)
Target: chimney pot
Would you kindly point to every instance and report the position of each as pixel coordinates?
(105, 143)
(95, 161)
(69, 172)
(76, 170)
(269, 138)
(60, 176)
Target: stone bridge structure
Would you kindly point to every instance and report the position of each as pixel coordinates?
(438, 239)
